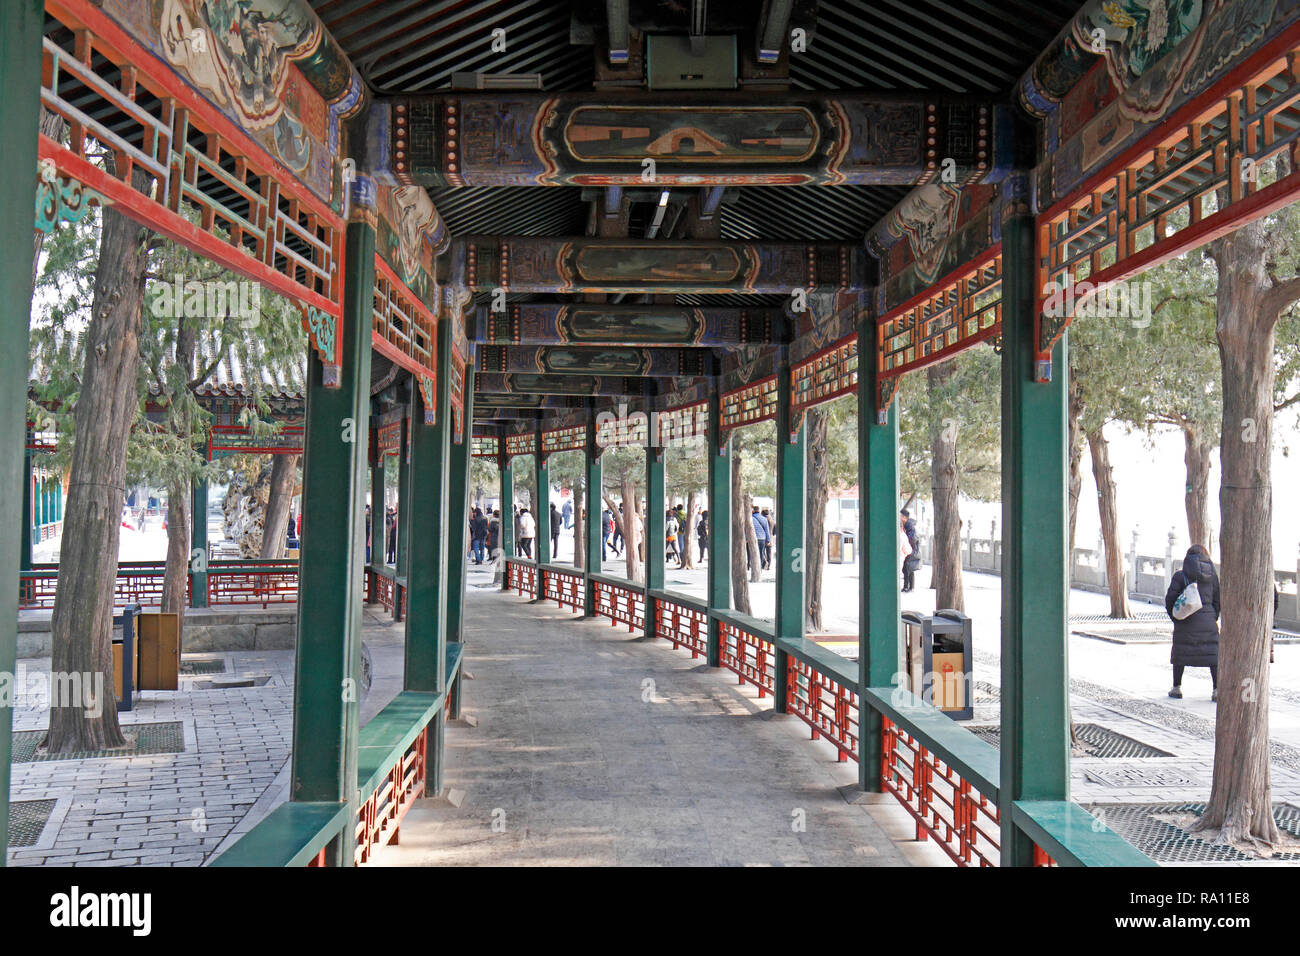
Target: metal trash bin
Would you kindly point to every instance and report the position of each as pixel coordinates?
(939, 660)
(126, 657)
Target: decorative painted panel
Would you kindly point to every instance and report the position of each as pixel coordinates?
(828, 374)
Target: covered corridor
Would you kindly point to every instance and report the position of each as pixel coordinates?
(593, 746)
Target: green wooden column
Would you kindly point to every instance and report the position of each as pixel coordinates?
(791, 448)
(458, 519)
(595, 509)
(327, 664)
(28, 537)
(199, 543)
(654, 520)
(879, 625)
(426, 576)
(405, 494)
(377, 506)
(507, 515)
(20, 76)
(1035, 581)
(542, 508)
(719, 523)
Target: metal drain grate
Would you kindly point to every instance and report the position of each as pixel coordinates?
(203, 666)
(162, 738)
(1098, 741)
(985, 692)
(27, 818)
(1107, 619)
(1152, 828)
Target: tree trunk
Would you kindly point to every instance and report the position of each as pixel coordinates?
(1240, 805)
(1076, 459)
(631, 532)
(1109, 513)
(82, 622)
(945, 575)
(175, 593)
(1197, 449)
(817, 469)
(686, 536)
(740, 546)
(284, 476)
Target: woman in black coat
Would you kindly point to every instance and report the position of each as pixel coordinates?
(1196, 638)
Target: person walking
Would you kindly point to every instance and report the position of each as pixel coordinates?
(670, 536)
(367, 534)
(527, 531)
(702, 534)
(761, 534)
(1196, 636)
(555, 531)
(391, 536)
(478, 531)
(771, 536)
(910, 548)
(519, 544)
(606, 532)
(618, 541)
(494, 536)
(567, 511)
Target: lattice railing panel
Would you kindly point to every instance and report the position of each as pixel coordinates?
(571, 438)
(753, 403)
(1232, 161)
(828, 374)
(403, 328)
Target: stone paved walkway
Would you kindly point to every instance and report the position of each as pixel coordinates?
(593, 747)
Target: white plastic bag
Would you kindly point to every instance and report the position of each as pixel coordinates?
(1187, 603)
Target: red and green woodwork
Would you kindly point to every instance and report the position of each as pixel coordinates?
(592, 361)
(492, 385)
(550, 323)
(789, 139)
(560, 265)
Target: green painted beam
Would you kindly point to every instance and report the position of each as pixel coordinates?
(327, 664)
(28, 538)
(458, 524)
(542, 506)
(1035, 584)
(426, 577)
(1072, 836)
(290, 835)
(20, 76)
(595, 511)
(719, 523)
(378, 505)
(791, 501)
(405, 496)
(507, 517)
(199, 544)
(879, 629)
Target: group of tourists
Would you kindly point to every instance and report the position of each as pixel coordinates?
(764, 534)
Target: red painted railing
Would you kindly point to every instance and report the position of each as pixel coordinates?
(751, 657)
(825, 705)
(381, 590)
(234, 582)
(683, 626)
(521, 578)
(379, 818)
(565, 588)
(268, 582)
(964, 823)
(619, 603)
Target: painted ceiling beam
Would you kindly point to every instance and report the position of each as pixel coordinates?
(692, 138)
(607, 360)
(491, 384)
(578, 323)
(546, 264)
